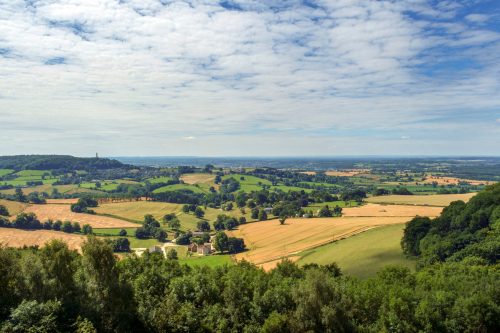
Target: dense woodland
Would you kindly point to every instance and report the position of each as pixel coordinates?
(455, 288)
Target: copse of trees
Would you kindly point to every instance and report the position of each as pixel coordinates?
(463, 232)
(83, 205)
(151, 229)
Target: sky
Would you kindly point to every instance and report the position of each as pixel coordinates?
(249, 78)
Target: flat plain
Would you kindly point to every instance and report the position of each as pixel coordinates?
(378, 210)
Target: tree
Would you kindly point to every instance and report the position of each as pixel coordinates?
(199, 212)
(220, 241)
(172, 254)
(161, 235)
(282, 220)
(415, 230)
(141, 233)
(325, 212)
(76, 227)
(185, 209)
(31, 316)
(203, 226)
(87, 229)
(19, 195)
(67, 227)
(254, 213)
(4, 211)
(262, 215)
(122, 233)
(57, 225)
(235, 245)
(121, 244)
(174, 224)
(242, 220)
(337, 210)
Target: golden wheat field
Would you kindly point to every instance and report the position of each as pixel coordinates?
(62, 201)
(197, 178)
(13, 207)
(442, 180)
(269, 241)
(135, 210)
(19, 238)
(378, 210)
(441, 200)
(63, 213)
(346, 173)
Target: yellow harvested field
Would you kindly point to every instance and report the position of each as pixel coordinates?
(346, 173)
(19, 238)
(269, 241)
(13, 207)
(441, 200)
(454, 181)
(377, 210)
(62, 201)
(63, 213)
(310, 173)
(197, 178)
(135, 210)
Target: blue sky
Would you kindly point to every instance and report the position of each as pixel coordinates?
(246, 78)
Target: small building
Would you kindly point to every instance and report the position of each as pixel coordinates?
(268, 210)
(155, 249)
(205, 249)
(198, 233)
(193, 247)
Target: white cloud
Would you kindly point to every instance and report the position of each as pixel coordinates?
(141, 70)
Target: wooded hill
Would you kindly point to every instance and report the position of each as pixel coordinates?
(57, 162)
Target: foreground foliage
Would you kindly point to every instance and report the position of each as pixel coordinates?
(456, 288)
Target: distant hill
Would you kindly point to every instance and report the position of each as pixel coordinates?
(57, 162)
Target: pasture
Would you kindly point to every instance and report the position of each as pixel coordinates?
(157, 180)
(19, 238)
(269, 241)
(346, 173)
(442, 180)
(364, 254)
(14, 207)
(63, 213)
(4, 172)
(169, 188)
(440, 200)
(211, 261)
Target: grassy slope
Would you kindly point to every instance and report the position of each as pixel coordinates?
(170, 188)
(13, 207)
(364, 254)
(212, 261)
(4, 172)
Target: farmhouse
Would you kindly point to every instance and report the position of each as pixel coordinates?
(268, 210)
(155, 249)
(205, 249)
(193, 247)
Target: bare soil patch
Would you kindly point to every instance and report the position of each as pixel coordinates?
(63, 213)
(19, 238)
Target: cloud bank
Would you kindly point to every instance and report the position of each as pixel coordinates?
(158, 77)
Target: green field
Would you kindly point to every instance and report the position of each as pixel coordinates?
(364, 254)
(211, 261)
(39, 173)
(176, 187)
(157, 180)
(332, 204)
(4, 172)
(113, 231)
